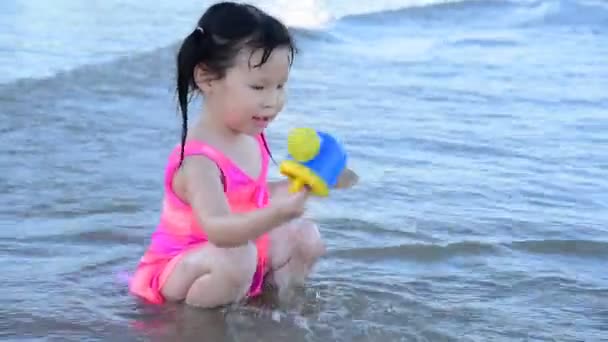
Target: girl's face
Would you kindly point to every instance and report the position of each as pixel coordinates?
(249, 97)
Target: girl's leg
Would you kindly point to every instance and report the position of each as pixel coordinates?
(211, 276)
(295, 248)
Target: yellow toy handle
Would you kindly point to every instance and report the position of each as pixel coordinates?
(296, 185)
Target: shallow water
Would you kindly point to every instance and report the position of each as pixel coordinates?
(478, 129)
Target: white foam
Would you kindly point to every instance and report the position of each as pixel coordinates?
(312, 14)
(308, 14)
(342, 8)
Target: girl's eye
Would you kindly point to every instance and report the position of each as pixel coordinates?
(280, 86)
(257, 87)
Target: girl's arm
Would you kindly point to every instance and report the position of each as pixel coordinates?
(205, 193)
(274, 187)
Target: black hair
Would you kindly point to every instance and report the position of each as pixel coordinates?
(222, 31)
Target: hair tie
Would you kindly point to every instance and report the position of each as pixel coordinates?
(200, 29)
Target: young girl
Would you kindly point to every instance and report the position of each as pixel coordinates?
(223, 228)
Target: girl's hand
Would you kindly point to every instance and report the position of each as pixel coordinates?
(291, 205)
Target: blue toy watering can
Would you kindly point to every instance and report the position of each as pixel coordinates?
(316, 160)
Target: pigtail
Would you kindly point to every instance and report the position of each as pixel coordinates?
(265, 142)
(189, 56)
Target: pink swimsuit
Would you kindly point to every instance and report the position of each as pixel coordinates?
(179, 231)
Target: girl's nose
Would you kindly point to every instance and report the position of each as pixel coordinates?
(273, 99)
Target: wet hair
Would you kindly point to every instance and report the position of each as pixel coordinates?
(221, 33)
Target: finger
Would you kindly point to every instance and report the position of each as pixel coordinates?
(305, 194)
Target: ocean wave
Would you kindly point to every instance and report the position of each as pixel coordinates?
(139, 68)
(527, 13)
(433, 11)
(419, 252)
(313, 21)
(569, 13)
(436, 252)
(577, 248)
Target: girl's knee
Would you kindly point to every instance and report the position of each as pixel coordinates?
(229, 280)
(238, 265)
(309, 240)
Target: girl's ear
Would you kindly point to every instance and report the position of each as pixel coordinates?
(203, 79)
